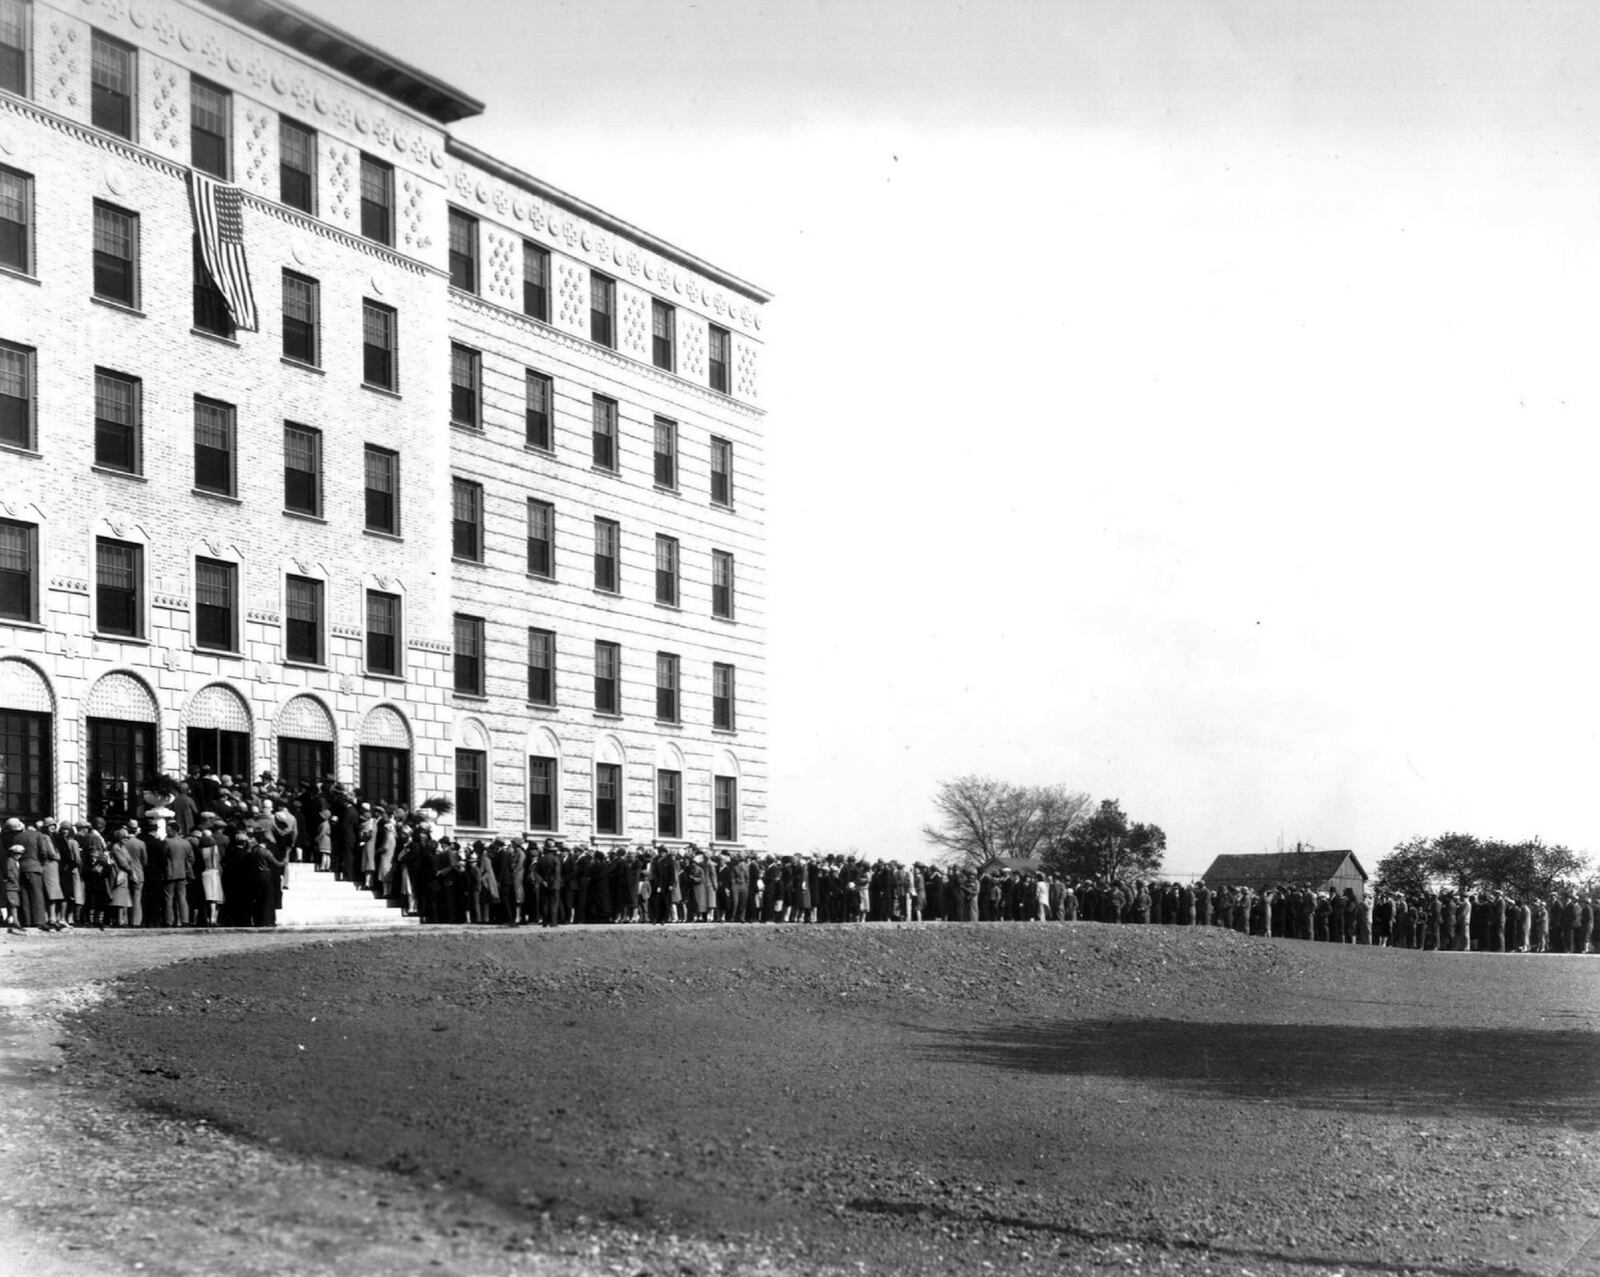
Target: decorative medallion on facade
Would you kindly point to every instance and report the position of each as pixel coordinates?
(384, 726)
(306, 719)
(23, 687)
(122, 696)
(219, 708)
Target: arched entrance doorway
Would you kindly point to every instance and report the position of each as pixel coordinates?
(305, 743)
(122, 720)
(27, 736)
(386, 757)
(217, 734)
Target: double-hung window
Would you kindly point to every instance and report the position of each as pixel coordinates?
(216, 604)
(663, 334)
(302, 469)
(669, 799)
(469, 655)
(383, 490)
(15, 18)
(541, 539)
(465, 387)
(116, 254)
(383, 634)
(472, 766)
(302, 304)
(541, 792)
(607, 677)
(721, 472)
(722, 713)
(541, 667)
(119, 588)
(16, 220)
(666, 453)
(377, 200)
(725, 808)
(722, 584)
(213, 446)
(116, 421)
(539, 402)
(535, 282)
(297, 166)
(19, 571)
(608, 798)
(721, 358)
(111, 81)
(210, 111)
(666, 687)
(378, 345)
(605, 433)
(16, 395)
(211, 313)
(463, 251)
(302, 598)
(466, 501)
(667, 570)
(607, 540)
(602, 310)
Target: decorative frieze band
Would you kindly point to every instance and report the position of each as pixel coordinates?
(69, 585)
(173, 602)
(262, 618)
(428, 645)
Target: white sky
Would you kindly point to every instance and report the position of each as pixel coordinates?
(1190, 402)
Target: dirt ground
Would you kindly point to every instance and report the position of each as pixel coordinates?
(996, 1098)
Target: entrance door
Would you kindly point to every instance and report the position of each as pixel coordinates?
(121, 756)
(227, 753)
(303, 760)
(386, 775)
(26, 789)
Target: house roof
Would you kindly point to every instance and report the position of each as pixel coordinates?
(1282, 866)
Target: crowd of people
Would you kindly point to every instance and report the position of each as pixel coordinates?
(210, 852)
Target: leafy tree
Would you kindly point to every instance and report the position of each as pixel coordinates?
(1105, 845)
(1464, 862)
(980, 818)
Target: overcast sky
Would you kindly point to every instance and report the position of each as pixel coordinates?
(1193, 403)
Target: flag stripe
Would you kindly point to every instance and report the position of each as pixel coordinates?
(219, 222)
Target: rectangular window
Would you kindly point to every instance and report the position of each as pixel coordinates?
(666, 458)
(466, 501)
(297, 166)
(541, 539)
(722, 714)
(465, 367)
(666, 687)
(302, 469)
(377, 200)
(211, 313)
(725, 808)
(540, 400)
(541, 667)
(111, 82)
(383, 490)
(119, 588)
(19, 571)
(535, 282)
(216, 598)
(210, 109)
(302, 598)
(116, 421)
(721, 357)
(669, 795)
(607, 540)
(116, 254)
(608, 798)
(472, 766)
(602, 310)
(378, 345)
(383, 634)
(605, 433)
(722, 584)
(469, 655)
(14, 23)
(16, 220)
(663, 334)
(302, 306)
(463, 251)
(16, 395)
(541, 792)
(721, 472)
(213, 446)
(27, 786)
(667, 570)
(607, 677)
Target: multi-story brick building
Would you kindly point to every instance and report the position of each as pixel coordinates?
(477, 510)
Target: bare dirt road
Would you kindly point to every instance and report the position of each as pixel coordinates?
(989, 1098)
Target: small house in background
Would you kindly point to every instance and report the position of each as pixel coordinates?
(1322, 870)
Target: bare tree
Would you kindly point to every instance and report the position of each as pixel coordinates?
(981, 818)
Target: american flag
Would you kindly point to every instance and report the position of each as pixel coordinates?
(219, 222)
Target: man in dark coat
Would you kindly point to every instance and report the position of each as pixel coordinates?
(547, 874)
(177, 871)
(508, 869)
(266, 866)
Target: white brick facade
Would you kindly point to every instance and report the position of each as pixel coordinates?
(58, 666)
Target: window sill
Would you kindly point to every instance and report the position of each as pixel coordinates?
(220, 338)
(305, 665)
(726, 620)
(303, 366)
(669, 722)
(223, 497)
(16, 623)
(721, 505)
(12, 272)
(17, 450)
(543, 452)
(614, 471)
(477, 563)
(724, 731)
(539, 576)
(120, 474)
(382, 536)
(477, 698)
(383, 678)
(380, 390)
(538, 705)
(668, 489)
(218, 652)
(466, 428)
(133, 639)
(304, 517)
(610, 594)
(112, 304)
(610, 716)
(668, 607)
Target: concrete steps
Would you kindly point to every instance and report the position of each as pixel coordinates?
(313, 899)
